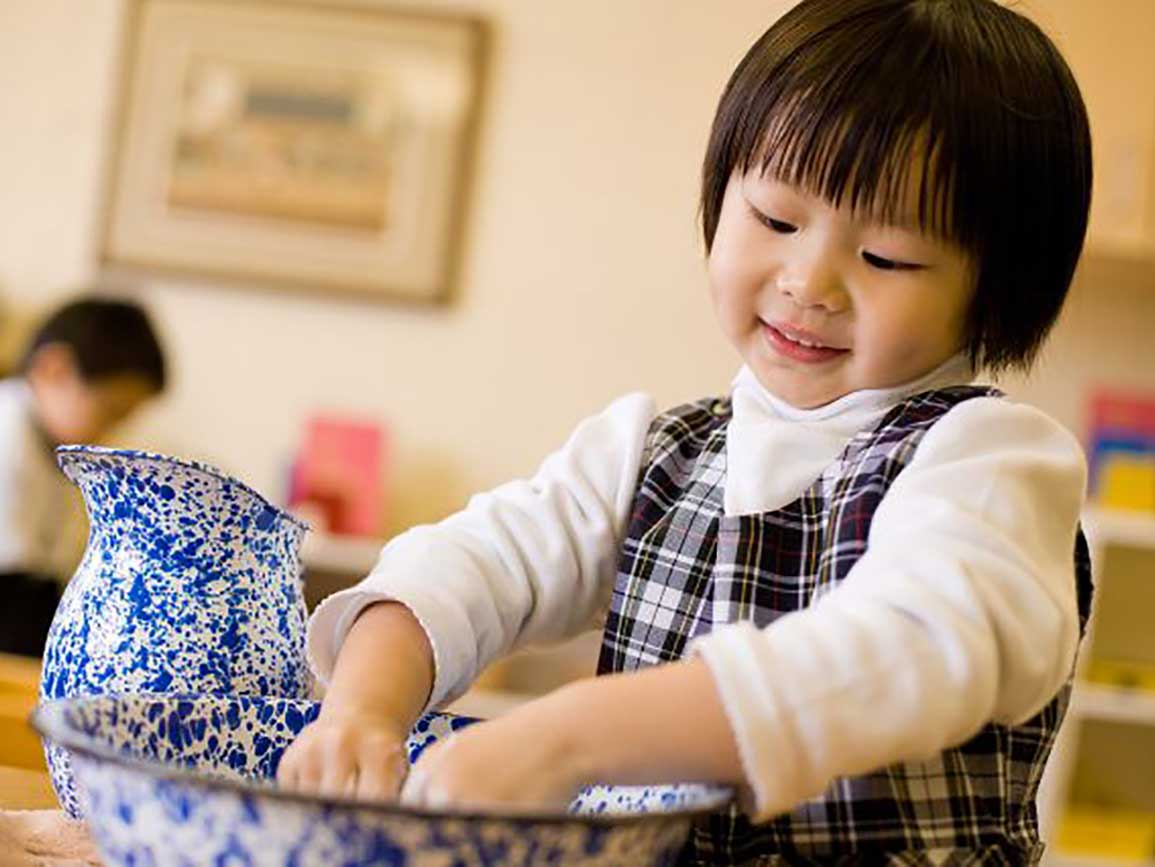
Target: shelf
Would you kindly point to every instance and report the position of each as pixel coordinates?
(1119, 527)
(351, 555)
(1098, 701)
(1061, 860)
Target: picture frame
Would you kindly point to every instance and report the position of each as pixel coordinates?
(294, 144)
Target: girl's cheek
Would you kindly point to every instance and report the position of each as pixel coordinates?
(718, 268)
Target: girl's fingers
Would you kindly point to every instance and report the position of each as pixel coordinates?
(336, 777)
(413, 789)
(338, 770)
(287, 774)
(299, 770)
(382, 772)
(342, 764)
(349, 790)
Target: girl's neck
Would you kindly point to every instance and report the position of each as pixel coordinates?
(956, 370)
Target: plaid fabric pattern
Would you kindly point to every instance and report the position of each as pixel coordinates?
(685, 566)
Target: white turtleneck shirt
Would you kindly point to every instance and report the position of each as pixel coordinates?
(962, 610)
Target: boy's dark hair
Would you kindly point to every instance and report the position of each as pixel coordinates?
(840, 96)
(107, 338)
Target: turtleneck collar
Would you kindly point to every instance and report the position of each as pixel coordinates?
(776, 450)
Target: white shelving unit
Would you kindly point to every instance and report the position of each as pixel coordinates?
(352, 555)
(1112, 703)
(1106, 527)
(333, 563)
(1101, 714)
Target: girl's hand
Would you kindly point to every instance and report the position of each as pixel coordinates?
(347, 755)
(659, 725)
(519, 761)
(382, 678)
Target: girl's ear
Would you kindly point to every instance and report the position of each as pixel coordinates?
(52, 363)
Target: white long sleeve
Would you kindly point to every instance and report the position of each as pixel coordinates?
(531, 561)
(511, 560)
(962, 611)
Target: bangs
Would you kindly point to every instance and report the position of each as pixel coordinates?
(872, 104)
(958, 118)
(859, 118)
(890, 169)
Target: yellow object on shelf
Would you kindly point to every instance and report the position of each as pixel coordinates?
(1126, 675)
(1127, 481)
(1105, 833)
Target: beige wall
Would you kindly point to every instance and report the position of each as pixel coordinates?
(582, 276)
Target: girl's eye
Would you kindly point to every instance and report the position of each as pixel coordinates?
(779, 226)
(883, 264)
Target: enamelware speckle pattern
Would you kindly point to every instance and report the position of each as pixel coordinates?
(168, 780)
(191, 582)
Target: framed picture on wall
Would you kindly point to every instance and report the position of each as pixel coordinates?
(294, 144)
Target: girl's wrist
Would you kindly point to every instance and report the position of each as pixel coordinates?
(384, 671)
(662, 724)
(365, 716)
(578, 741)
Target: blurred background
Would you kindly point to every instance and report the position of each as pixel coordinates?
(576, 275)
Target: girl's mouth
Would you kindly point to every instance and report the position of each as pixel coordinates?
(798, 345)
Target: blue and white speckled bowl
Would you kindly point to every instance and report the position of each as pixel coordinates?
(191, 583)
(168, 780)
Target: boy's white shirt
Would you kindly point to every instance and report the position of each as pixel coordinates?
(39, 509)
(961, 611)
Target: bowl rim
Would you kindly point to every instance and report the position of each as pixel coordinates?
(47, 718)
(65, 453)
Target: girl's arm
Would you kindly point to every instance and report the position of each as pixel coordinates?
(379, 687)
(661, 724)
(961, 611)
(531, 561)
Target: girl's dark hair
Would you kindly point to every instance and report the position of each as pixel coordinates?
(107, 338)
(841, 97)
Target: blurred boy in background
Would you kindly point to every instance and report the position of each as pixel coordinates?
(88, 367)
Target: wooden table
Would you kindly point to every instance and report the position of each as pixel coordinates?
(19, 744)
(33, 829)
(21, 789)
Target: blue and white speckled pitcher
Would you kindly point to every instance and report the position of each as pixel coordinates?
(191, 583)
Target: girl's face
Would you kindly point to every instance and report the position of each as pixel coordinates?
(821, 302)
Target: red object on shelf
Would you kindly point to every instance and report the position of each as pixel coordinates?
(1121, 448)
(338, 475)
(1117, 411)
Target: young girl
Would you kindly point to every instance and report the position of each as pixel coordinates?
(854, 587)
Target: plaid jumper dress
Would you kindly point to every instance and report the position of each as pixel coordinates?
(686, 566)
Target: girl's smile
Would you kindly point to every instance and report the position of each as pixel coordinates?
(799, 345)
(821, 300)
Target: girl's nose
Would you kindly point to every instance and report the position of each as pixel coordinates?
(814, 284)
